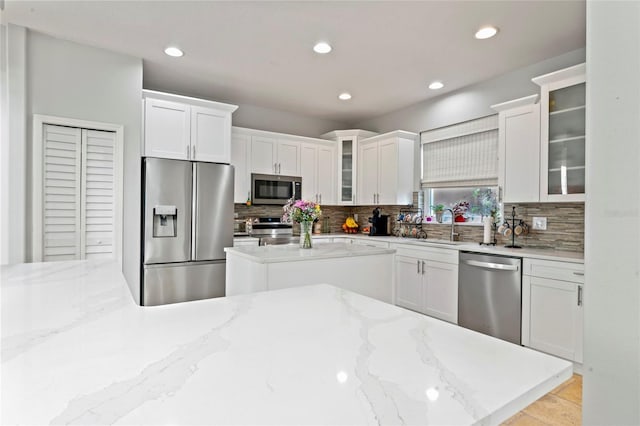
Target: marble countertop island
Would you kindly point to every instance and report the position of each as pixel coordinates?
(77, 350)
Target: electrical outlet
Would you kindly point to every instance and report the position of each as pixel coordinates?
(355, 217)
(540, 223)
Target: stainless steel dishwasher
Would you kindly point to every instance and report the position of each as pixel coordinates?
(490, 295)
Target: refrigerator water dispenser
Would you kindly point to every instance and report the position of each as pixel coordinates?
(164, 221)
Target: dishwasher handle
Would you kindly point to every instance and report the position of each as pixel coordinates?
(491, 265)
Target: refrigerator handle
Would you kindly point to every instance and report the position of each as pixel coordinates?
(194, 210)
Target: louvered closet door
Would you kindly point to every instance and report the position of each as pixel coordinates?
(62, 174)
(97, 194)
(79, 193)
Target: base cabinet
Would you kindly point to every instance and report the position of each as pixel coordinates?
(552, 308)
(427, 284)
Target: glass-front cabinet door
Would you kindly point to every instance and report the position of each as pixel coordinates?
(562, 160)
(348, 141)
(347, 176)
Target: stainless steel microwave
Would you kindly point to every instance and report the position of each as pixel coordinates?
(275, 189)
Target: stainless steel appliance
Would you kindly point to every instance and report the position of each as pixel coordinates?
(490, 295)
(187, 222)
(275, 189)
(271, 231)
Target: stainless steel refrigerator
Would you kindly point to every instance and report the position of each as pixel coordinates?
(187, 223)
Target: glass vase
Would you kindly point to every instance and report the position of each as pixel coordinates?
(305, 234)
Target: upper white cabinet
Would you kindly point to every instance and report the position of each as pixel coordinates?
(347, 141)
(318, 169)
(385, 170)
(552, 300)
(186, 128)
(240, 148)
(263, 152)
(562, 134)
(270, 155)
(519, 149)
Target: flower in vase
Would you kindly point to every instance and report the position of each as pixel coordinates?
(301, 211)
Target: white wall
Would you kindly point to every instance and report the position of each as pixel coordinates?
(611, 391)
(13, 172)
(470, 102)
(76, 81)
(255, 117)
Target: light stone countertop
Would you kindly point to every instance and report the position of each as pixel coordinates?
(77, 350)
(534, 253)
(293, 253)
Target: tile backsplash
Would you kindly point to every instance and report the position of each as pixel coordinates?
(565, 223)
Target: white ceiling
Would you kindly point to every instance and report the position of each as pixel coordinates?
(385, 53)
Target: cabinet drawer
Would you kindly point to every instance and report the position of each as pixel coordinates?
(427, 253)
(565, 271)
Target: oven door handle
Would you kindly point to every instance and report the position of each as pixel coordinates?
(490, 265)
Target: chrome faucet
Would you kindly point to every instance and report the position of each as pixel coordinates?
(454, 234)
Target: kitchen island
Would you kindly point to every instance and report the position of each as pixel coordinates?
(76, 349)
(363, 269)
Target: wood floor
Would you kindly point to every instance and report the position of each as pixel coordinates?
(561, 406)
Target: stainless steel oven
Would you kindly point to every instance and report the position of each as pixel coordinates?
(275, 189)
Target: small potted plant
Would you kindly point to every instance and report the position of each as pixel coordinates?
(459, 210)
(438, 209)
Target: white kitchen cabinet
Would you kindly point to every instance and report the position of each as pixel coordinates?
(519, 150)
(562, 134)
(369, 155)
(552, 307)
(440, 292)
(167, 129)
(409, 283)
(318, 171)
(184, 128)
(210, 135)
(263, 155)
(347, 141)
(240, 145)
(426, 281)
(270, 155)
(385, 172)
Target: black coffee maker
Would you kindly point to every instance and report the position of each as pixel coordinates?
(379, 223)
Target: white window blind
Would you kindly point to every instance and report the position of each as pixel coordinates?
(464, 154)
(78, 193)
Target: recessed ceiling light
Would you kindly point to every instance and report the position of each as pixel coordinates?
(436, 85)
(486, 32)
(344, 96)
(322, 47)
(173, 51)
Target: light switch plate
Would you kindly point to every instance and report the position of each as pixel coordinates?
(540, 223)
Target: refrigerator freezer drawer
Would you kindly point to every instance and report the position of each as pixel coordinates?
(182, 282)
